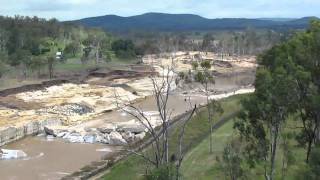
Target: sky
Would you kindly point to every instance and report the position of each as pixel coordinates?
(76, 9)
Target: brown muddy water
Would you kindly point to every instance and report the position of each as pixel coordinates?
(49, 159)
(55, 159)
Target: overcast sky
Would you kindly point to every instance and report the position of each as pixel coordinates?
(75, 9)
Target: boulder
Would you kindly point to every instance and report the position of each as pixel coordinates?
(116, 138)
(90, 138)
(49, 131)
(75, 138)
(62, 134)
(128, 136)
(134, 128)
(99, 138)
(106, 139)
(87, 129)
(139, 136)
(107, 128)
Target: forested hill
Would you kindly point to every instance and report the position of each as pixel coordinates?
(187, 22)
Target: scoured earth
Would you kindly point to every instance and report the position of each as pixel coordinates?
(87, 112)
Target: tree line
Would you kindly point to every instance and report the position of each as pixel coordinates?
(284, 107)
(245, 42)
(30, 44)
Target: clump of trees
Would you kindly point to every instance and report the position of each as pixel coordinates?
(287, 84)
(29, 44)
(124, 49)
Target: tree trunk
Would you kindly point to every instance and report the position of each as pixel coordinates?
(309, 149)
(274, 151)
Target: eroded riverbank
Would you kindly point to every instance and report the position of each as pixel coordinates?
(81, 109)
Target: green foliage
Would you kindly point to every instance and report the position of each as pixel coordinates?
(72, 49)
(195, 65)
(312, 170)
(199, 77)
(287, 82)
(315, 163)
(162, 173)
(232, 160)
(31, 43)
(124, 49)
(181, 75)
(207, 42)
(206, 65)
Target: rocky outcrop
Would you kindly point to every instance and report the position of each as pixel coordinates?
(108, 128)
(133, 128)
(113, 134)
(117, 139)
(13, 133)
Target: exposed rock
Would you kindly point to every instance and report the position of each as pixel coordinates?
(9, 134)
(90, 138)
(106, 139)
(12, 154)
(49, 131)
(62, 134)
(116, 139)
(100, 138)
(140, 136)
(87, 129)
(75, 138)
(128, 136)
(68, 109)
(133, 128)
(107, 128)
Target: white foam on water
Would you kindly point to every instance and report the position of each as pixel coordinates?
(104, 150)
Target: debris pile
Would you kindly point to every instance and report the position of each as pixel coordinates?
(68, 110)
(117, 133)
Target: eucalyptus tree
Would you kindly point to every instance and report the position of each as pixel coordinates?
(265, 112)
(304, 49)
(205, 77)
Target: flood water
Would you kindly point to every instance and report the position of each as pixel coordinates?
(56, 159)
(48, 159)
(229, 83)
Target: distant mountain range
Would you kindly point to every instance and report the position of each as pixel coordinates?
(188, 22)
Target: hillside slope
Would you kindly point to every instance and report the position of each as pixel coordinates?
(186, 22)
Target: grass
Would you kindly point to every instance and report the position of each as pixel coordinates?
(133, 167)
(201, 165)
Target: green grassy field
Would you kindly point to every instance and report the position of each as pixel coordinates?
(133, 167)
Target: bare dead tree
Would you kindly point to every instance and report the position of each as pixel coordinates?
(162, 87)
